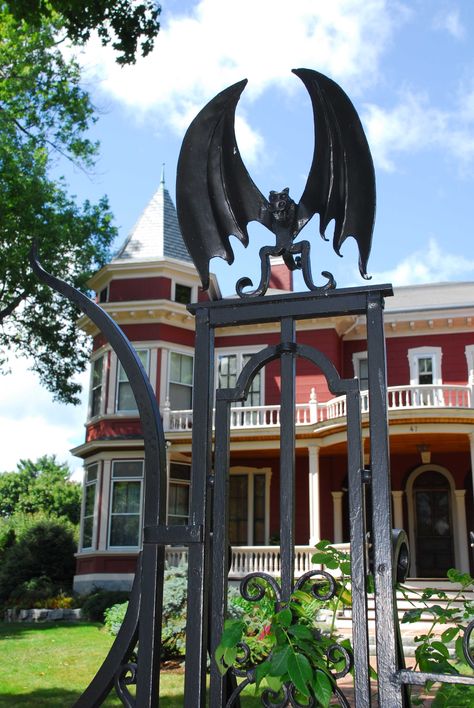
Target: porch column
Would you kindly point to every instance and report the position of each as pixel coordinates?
(337, 513)
(461, 540)
(397, 499)
(314, 517)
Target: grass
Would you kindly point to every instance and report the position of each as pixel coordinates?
(49, 665)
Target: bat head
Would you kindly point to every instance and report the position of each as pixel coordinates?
(281, 206)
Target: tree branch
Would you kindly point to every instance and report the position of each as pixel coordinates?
(12, 305)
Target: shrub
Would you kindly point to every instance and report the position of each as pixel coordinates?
(97, 602)
(114, 616)
(45, 550)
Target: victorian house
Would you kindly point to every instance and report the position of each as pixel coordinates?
(430, 368)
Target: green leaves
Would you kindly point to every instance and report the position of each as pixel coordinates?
(300, 672)
(44, 116)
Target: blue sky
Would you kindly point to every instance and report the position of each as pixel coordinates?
(408, 68)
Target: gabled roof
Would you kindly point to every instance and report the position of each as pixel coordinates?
(156, 233)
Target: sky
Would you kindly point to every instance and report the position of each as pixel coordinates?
(408, 67)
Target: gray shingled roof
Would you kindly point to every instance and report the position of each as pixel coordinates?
(156, 233)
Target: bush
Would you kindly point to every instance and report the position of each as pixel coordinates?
(45, 550)
(114, 616)
(96, 603)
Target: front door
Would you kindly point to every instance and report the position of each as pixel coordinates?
(433, 525)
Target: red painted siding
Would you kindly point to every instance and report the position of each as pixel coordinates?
(161, 332)
(107, 428)
(130, 289)
(106, 564)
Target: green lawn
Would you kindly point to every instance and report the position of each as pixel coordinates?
(49, 665)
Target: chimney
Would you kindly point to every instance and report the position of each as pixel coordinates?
(281, 277)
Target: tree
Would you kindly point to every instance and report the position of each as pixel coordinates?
(45, 553)
(41, 486)
(124, 21)
(44, 114)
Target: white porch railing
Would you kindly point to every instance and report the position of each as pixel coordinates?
(399, 398)
(258, 559)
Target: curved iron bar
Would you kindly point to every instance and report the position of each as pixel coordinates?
(149, 562)
(126, 676)
(466, 647)
(315, 591)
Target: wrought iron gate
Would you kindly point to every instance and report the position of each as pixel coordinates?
(375, 547)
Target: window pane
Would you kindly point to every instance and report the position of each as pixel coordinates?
(180, 471)
(124, 530)
(126, 497)
(87, 532)
(425, 370)
(89, 500)
(178, 500)
(97, 371)
(238, 509)
(125, 398)
(180, 397)
(91, 473)
(127, 468)
(182, 293)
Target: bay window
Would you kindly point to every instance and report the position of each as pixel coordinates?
(89, 507)
(180, 391)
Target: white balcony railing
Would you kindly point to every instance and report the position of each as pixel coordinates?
(399, 398)
(259, 559)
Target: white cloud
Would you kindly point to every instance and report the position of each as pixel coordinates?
(33, 425)
(219, 42)
(414, 125)
(450, 21)
(431, 265)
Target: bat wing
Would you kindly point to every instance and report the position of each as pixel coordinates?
(215, 195)
(341, 181)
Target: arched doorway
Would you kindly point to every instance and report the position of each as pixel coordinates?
(431, 520)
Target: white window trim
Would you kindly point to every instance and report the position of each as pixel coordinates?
(357, 357)
(131, 411)
(100, 353)
(140, 513)
(411, 513)
(189, 284)
(240, 351)
(96, 483)
(414, 355)
(469, 351)
(167, 366)
(251, 472)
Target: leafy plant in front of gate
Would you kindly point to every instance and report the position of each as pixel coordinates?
(295, 651)
(441, 652)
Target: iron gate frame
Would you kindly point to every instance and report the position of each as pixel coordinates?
(203, 536)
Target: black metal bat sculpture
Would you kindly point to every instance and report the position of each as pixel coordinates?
(216, 196)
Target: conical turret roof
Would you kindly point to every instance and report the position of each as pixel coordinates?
(156, 233)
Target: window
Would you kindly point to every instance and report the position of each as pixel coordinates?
(178, 494)
(361, 369)
(90, 496)
(183, 293)
(104, 294)
(125, 400)
(248, 508)
(96, 386)
(425, 370)
(228, 370)
(181, 382)
(125, 504)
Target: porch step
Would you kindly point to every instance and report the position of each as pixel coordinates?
(409, 631)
